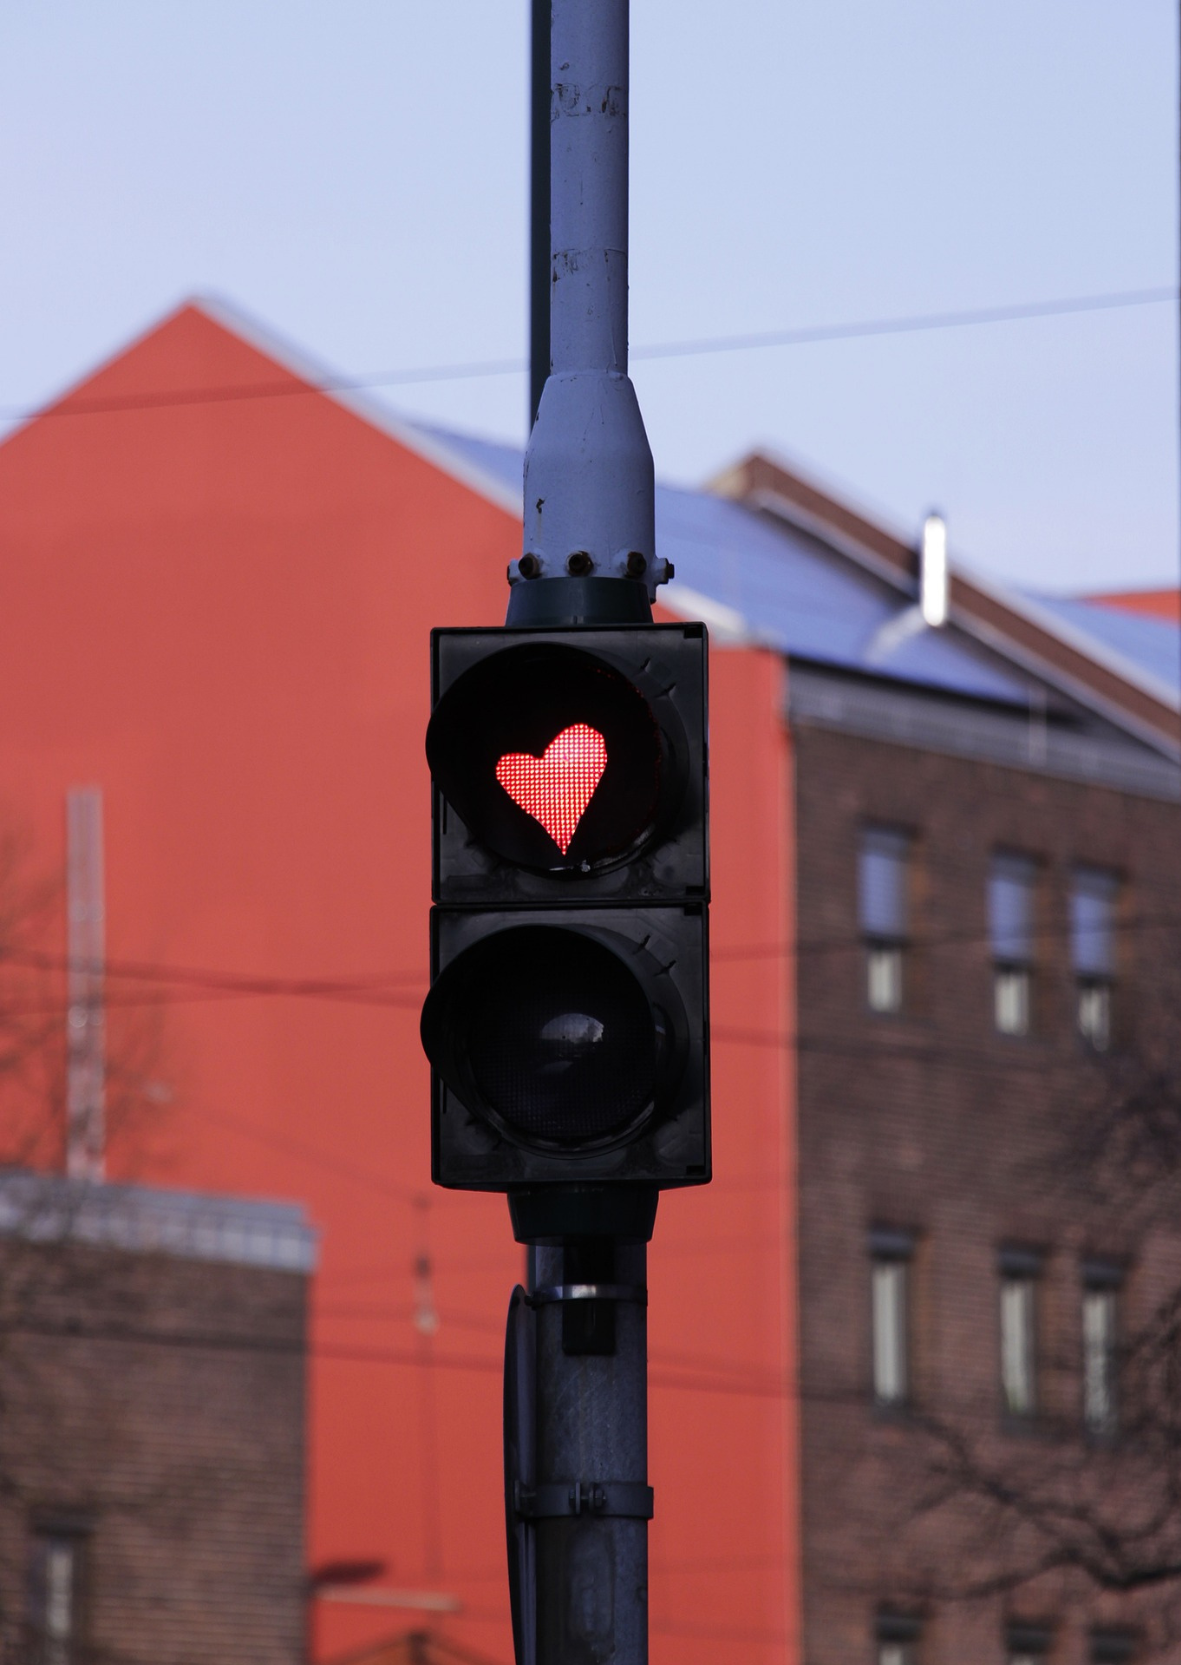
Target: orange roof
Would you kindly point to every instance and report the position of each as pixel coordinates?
(1161, 604)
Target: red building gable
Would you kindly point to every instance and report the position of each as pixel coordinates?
(218, 584)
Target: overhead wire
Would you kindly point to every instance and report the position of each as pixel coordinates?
(803, 335)
(380, 989)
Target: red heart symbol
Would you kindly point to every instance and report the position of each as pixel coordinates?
(556, 788)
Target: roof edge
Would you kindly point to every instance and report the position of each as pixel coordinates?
(355, 399)
(1010, 626)
(1116, 662)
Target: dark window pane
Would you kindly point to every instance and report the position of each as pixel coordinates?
(1092, 915)
(883, 882)
(897, 1639)
(1010, 908)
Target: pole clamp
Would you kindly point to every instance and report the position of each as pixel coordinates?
(553, 1292)
(620, 1499)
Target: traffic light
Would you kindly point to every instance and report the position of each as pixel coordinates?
(566, 1023)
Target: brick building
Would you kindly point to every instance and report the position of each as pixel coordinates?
(152, 1362)
(987, 891)
(930, 846)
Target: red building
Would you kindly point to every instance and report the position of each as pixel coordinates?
(219, 579)
(219, 587)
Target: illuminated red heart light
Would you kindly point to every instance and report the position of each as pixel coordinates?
(556, 788)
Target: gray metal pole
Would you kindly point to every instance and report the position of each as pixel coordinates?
(592, 1428)
(589, 490)
(539, 210)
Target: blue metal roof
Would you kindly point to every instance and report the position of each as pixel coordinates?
(812, 603)
(781, 586)
(1151, 645)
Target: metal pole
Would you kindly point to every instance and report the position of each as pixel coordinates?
(592, 1429)
(539, 215)
(589, 487)
(578, 1497)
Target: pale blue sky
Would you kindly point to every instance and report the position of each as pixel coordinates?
(352, 172)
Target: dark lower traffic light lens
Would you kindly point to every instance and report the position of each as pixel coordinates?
(562, 1045)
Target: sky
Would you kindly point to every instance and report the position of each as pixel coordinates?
(353, 173)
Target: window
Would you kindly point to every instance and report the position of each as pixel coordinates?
(1101, 1286)
(1112, 1647)
(883, 876)
(890, 1255)
(1011, 883)
(1027, 1644)
(1092, 947)
(56, 1596)
(897, 1636)
(1019, 1271)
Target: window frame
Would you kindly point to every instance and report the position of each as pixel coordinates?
(1102, 1280)
(892, 1251)
(1094, 995)
(1028, 1644)
(898, 1634)
(886, 941)
(1013, 960)
(46, 1533)
(1112, 1646)
(1095, 970)
(1020, 1268)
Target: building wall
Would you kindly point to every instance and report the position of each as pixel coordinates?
(723, 1435)
(154, 1413)
(217, 608)
(932, 1124)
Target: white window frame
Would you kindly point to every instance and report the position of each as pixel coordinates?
(57, 1610)
(891, 1297)
(1093, 1011)
(885, 934)
(884, 986)
(1018, 1312)
(1011, 934)
(1012, 999)
(1100, 1315)
(1094, 911)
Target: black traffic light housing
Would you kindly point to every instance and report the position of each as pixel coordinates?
(567, 1023)
(505, 692)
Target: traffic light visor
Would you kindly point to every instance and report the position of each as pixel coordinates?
(553, 758)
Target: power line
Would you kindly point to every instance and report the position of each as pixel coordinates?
(804, 335)
(322, 1159)
(475, 1363)
(692, 1366)
(913, 324)
(229, 982)
(388, 988)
